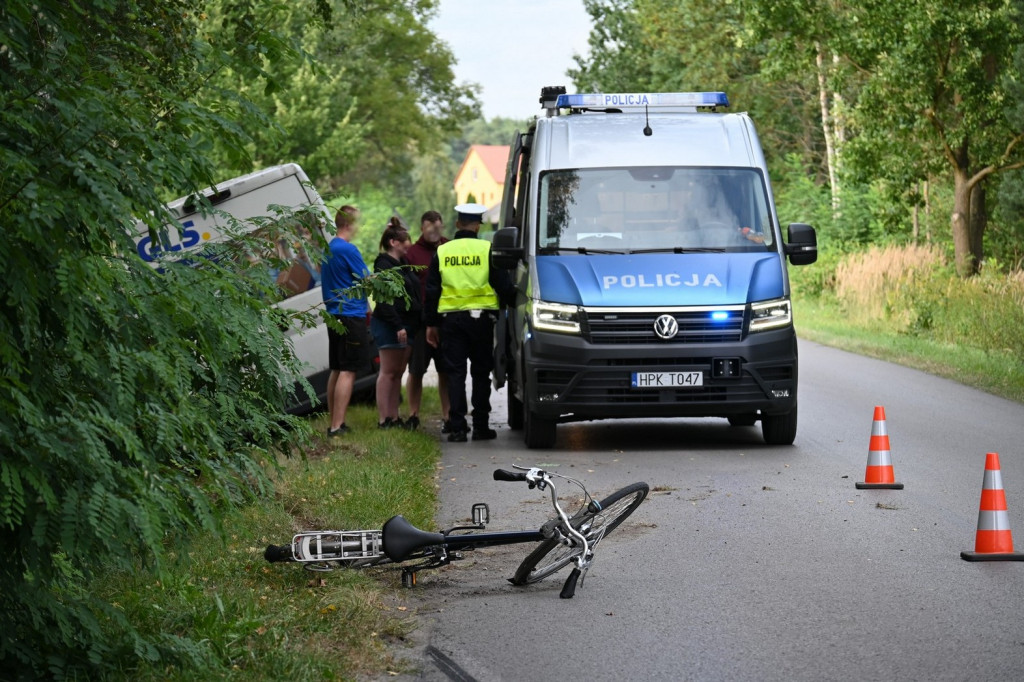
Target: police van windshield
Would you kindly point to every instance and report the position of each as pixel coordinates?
(632, 210)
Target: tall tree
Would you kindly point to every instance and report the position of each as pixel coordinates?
(938, 83)
(376, 88)
(688, 45)
(617, 58)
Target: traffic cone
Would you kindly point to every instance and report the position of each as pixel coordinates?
(879, 472)
(994, 541)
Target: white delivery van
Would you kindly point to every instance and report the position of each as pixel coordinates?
(250, 197)
(650, 267)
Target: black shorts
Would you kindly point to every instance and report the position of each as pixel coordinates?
(422, 354)
(348, 352)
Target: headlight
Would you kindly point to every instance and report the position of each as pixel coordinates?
(556, 317)
(770, 315)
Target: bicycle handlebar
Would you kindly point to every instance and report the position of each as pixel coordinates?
(503, 475)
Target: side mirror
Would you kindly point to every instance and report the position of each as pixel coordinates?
(802, 248)
(505, 249)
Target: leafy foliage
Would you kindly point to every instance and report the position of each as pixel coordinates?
(135, 402)
(374, 88)
(925, 92)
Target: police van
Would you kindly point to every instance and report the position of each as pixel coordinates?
(249, 204)
(650, 267)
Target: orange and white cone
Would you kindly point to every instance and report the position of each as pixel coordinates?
(880, 473)
(994, 542)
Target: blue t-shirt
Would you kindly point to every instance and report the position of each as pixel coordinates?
(342, 267)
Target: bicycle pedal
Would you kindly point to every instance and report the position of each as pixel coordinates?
(481, 514)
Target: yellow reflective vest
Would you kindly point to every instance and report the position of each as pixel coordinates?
(465, 274)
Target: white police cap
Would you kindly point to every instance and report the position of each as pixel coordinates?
(471, 213)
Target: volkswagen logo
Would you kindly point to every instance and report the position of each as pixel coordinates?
(666, 327)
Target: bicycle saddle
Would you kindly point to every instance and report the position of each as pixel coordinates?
(401, 538)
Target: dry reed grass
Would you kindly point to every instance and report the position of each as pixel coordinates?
(869, 283)
(909, 289)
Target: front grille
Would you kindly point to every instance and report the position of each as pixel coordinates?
(603, 389)
(604, 384)
(637, 327)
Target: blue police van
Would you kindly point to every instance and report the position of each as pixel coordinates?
(650, 267)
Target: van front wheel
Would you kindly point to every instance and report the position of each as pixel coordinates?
(745, 419)
(779, 429)
(539, 432)
(515, 411)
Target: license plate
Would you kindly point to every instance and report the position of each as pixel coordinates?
(667, 379)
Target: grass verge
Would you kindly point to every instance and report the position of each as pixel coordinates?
(1000, 373)
(224, 613)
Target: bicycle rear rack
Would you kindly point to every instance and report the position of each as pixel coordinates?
(337, 545)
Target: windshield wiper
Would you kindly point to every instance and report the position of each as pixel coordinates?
(681, 249)
(547, 250)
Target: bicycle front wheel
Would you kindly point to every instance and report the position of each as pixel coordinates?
(551, 556)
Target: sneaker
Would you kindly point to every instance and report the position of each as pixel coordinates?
(484, 434)
(458, 437)
(412, 423)
(340, 431)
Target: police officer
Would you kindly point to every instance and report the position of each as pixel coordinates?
(463, 295)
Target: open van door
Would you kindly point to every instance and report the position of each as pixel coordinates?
(502, 346)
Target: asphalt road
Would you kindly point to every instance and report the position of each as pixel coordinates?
(749, 562)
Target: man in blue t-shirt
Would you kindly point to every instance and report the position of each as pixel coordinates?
(348, 352)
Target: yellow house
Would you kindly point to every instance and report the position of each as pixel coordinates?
(482, 175)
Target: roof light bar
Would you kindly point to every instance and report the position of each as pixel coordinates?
(620, 100)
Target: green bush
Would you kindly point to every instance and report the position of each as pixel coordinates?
(135, 404)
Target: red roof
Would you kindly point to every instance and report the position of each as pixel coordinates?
(494, 157)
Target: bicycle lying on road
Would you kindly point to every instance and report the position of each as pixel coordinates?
(564, 539)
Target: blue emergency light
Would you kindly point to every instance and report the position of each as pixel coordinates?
(720, 316)
(620, 100)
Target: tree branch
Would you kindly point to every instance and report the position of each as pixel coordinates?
(937, 125)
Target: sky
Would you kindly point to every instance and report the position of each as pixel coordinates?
(512, 48)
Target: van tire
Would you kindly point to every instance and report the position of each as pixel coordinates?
(538, 432)
(779, 429)
(515, 412)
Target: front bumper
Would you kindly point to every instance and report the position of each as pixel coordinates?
(570, 379)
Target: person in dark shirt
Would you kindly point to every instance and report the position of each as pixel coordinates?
(421, 253)
(395, 325)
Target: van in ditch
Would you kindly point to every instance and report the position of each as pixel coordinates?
(650, 267)
(233, 206)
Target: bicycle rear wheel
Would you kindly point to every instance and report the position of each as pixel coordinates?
(551, 556)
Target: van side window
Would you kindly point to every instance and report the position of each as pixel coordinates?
(285, 255)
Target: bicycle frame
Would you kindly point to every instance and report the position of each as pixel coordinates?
(400, 542)
(403, 542)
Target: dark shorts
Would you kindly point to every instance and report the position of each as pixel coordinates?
(348, 352)
(385, 334)
(422, 354)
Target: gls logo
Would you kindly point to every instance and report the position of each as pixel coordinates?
(671, 279)
(148, 251)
